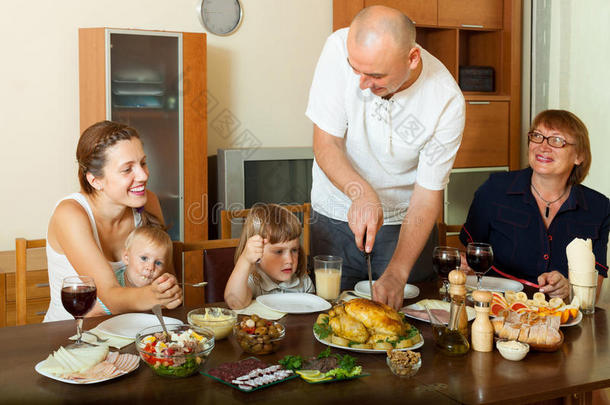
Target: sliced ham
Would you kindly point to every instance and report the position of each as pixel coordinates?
(440, 314)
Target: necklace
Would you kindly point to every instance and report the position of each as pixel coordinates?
(548, 203)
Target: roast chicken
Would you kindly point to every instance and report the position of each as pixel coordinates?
(364, 321)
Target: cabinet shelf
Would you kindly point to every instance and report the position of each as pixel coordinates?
(470, 33)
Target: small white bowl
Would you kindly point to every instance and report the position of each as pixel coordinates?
(512, 354)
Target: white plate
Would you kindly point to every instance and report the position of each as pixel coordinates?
(294, 303)
(469, 310)
(574, 322)
(362, 289)
(415, 346)
(497, 284)
(128, 325)
(54, 377)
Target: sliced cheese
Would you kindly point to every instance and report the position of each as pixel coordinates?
(68, 361)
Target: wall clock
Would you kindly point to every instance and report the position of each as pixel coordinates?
(220, 17)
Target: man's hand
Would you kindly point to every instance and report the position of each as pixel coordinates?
(365, 217)
(389, 289)
(554, 284)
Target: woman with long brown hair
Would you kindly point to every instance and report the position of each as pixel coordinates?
(87, 230)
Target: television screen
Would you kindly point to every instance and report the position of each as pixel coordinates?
(277, 181)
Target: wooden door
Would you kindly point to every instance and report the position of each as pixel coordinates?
(471, 13)
(421, 12)
(485, 140)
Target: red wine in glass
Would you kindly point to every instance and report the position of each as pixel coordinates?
(79, 299)
(444, 260)
(480, 258)
(78, 294)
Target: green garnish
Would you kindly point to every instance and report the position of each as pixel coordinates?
(323, 330)
(291, 362)
(346, 362)
(324, 353)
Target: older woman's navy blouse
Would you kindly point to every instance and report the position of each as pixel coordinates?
(504, 213)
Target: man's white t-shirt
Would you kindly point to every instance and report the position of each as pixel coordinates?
(393, 144)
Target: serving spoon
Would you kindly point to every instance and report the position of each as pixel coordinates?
(157, 311)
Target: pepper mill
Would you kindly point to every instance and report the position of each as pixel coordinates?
(482, 329)
(457, 290)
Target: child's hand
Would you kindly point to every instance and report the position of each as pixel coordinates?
(254, 249)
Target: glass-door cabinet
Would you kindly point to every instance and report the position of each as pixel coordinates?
(137, 77)
(144, 92)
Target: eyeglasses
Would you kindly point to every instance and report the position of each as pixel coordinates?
(554, 141)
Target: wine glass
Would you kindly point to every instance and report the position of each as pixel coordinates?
(480, 258)
(444, 260)
(78, 294)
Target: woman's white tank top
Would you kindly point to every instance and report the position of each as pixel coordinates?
(60, 267)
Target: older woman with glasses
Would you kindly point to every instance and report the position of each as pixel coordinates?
(530, 216)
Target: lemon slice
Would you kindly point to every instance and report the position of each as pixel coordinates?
(313, 375)
(309, 373)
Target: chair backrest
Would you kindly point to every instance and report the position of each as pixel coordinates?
(217, 267)
(21, 247)
(444, 237)
(226, 220)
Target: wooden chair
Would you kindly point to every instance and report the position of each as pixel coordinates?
(226, 220)
(217, 267)
(21, 247)
(444, 239)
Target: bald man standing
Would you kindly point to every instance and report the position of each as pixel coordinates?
(388, 120)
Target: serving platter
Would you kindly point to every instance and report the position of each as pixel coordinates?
(294, 303)
(351, 349)
(496, 284)
(135, 364)
(128, 325)
(362, 289)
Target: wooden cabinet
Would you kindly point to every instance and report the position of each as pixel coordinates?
(485, 139)
(38, 297)
(421, 12)
(485, 14)
(155, 81)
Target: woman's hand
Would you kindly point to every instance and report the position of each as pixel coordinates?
(254, 248)
(464, 264)
(554, 284)
(166, 291)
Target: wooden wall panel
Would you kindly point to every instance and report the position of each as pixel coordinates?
(91, 76)
(512, 44)
(195, 158)
(421, 12)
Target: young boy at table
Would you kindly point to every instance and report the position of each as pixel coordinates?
(147, 255)
(269, 258)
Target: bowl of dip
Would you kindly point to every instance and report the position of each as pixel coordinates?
(219, 320)
(512, 349)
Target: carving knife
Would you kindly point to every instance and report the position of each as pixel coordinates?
(367, 256)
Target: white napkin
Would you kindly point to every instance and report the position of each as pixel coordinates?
(114, 341)
(581, 262)
(260, 310)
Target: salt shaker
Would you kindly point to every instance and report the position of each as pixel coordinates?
(482, 336)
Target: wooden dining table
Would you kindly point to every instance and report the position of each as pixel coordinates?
(581, 365)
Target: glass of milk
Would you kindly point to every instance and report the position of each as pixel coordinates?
(327, 270)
